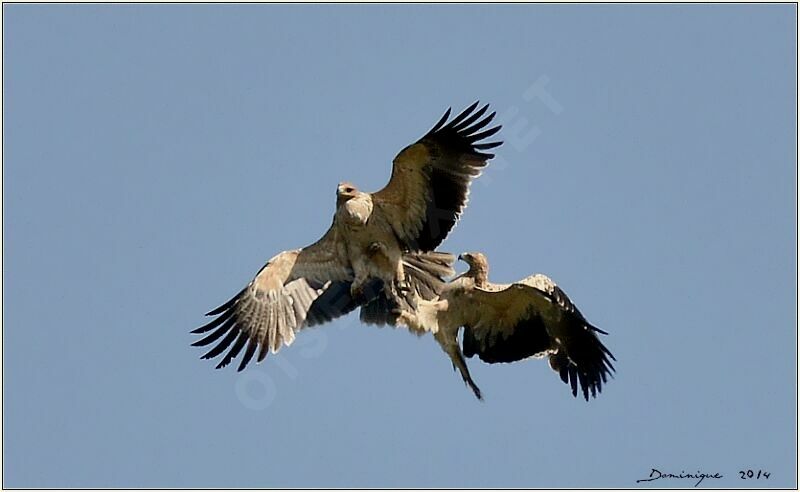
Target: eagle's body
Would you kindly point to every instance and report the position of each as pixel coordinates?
(371, 247)
(505, 323)
(378, 253)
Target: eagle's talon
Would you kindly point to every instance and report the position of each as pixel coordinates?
(404, 317)
(357, 291)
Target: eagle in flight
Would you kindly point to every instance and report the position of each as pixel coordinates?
(506, 323)
(378, 253)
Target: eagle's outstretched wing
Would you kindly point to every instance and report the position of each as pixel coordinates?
(294, 289)
(535, 318)
(430, 181)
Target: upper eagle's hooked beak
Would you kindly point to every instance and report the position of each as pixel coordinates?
(463, 256)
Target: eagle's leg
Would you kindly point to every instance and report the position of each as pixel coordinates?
(400, 278)
(380, 255)
(449, 344)
(357, 287)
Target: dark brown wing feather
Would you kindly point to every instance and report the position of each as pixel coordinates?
(430, 181)
(458, 159)
(529, 338)
(531, 318)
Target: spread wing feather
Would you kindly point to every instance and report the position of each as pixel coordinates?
(429, 187)
(535, 318)
(294, 289)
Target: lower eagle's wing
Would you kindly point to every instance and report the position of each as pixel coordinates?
(294, 289)
(535, 318)
(429, 186)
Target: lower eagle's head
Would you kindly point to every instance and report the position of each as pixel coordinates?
(478, 266)
(474, 259)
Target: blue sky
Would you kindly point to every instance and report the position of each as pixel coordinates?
(156, 156)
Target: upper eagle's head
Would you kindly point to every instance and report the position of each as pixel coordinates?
(357, 204)
(346, 190)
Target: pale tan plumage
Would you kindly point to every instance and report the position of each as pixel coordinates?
(506, 323)
(379, 251)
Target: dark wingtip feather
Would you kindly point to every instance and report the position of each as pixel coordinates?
(479, 125)
(262, 354)
(221, 346)
(596, 329)
(251, 350)
(214, 335)
(474, 116)
(564, 374)
(234, 351)
(463, 127)
(225, 306)
(573, 381)
(488, 145)
(212, 324)
(584, 380)
(441, 122)
(484, 134)
(458, 119)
